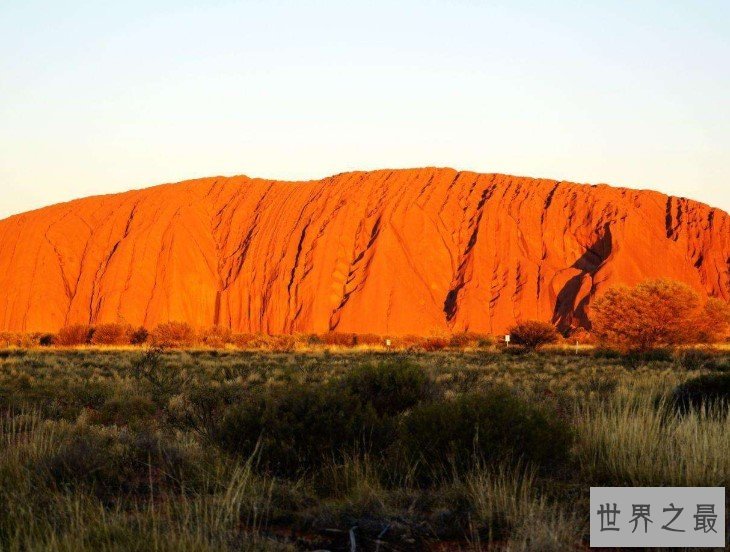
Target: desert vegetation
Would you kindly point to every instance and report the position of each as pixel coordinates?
(532, 334)
(454, 449)
(180, 335)
(658, 313)
(117, 438)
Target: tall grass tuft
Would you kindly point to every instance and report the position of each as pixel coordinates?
(636, 440)
(229, 512)
(507, 505)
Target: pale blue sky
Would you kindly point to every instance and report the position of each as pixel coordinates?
(97, 97)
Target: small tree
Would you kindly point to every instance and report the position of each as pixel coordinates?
(46, 340)
(173, 334)
(656, 313)
(532, 334)
(714, 322)
(78, 334)
(139, 336)
(112, 334)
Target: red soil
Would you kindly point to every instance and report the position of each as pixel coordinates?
(387, 252)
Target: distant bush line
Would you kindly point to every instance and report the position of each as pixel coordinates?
(182, 335)
(526, 336)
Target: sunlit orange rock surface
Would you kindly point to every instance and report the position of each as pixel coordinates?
(422, 251)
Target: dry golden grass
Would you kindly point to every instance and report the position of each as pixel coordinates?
(625, 434)
(638, 440)
(508, 495)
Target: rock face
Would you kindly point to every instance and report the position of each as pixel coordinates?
(422, 251)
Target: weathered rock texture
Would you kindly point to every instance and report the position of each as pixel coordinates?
(390, 252)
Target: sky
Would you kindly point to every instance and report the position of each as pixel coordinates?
(98, 97)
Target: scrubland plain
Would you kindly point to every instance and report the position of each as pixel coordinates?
(476, 449)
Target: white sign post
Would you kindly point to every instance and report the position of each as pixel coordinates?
(507, 339)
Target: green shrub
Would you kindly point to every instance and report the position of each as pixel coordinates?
(486, 341)
(55, 399)
(390, 387)
(114, 465)
(242, 426)
(602, 352)
(90, 394)
(203, 407)
(637, 357)
(295, 429)
(161, 380)
(711, 391)
(696, 359)
(125, 410)
(484, 427)
(532, 334)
